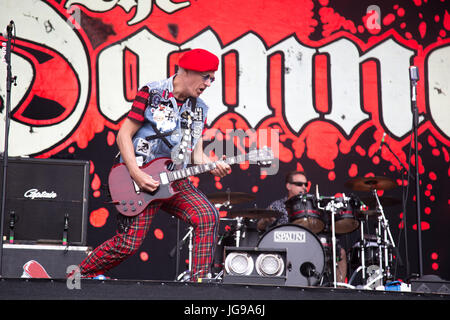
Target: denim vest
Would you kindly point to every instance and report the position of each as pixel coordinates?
(168, 130)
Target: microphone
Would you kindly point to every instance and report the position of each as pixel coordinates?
(308, 270)
(381, 144)
(414, 73)
(9, 29)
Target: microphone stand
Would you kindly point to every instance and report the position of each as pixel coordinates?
(414, 78)
(9, 81)
(403, 205)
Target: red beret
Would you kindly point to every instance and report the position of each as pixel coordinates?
(199, 60)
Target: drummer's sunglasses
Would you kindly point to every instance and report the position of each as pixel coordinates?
(299, 184)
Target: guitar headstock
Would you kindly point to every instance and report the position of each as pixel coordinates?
(263, 156)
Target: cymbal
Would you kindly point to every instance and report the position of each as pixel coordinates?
(371, 183)
(230, 197)
(371, 202)
(368, 213)
(254, 213)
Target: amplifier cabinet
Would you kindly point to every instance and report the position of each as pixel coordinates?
(40, 261)
(46, 201)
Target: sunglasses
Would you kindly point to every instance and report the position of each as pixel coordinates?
(299, 184)
(207, 77)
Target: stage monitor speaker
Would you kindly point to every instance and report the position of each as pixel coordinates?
(251, 265)
(46, 201)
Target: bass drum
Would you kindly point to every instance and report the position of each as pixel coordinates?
(305, 256)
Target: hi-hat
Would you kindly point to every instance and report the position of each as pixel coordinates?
(371, 183)
(230, 197)
(254, 213)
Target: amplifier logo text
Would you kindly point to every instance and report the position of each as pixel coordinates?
(36, 194)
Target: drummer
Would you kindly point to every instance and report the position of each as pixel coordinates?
(296, 183)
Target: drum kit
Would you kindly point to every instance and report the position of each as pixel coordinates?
(319, 219)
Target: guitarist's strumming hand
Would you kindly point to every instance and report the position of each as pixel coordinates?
(144, 181)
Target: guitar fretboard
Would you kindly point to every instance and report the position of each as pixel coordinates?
(201, 168)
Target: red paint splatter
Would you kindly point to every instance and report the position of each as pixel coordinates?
(422, 29)
(431, 141)
(434, 256)
(435, 266)
(436, 152)
(255, 189)
(360, 151)
(98, 217)
(219, 186)
(110, 138)
(446, 22)
(353, 171)
(432, 176)
(376, 160)
(91, 167)
(424, 225)
(388, 19)
(143, 255)
(331, 175)
(333, 22)
(159, 234)
(96, 194)
(321, 142)
(446, 155)
(95, 185)
(427, 210)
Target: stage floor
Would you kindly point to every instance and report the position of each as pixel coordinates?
(89, 289)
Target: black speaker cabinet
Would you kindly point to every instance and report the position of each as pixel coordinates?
(46, 201)
(40, 261)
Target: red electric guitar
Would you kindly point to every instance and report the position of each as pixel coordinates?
(131, 201)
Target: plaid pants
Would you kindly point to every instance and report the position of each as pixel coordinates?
(190, 205)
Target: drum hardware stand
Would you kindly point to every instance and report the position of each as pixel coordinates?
(383, 225)
(238, 230)
(190, 248)
(363, 253)
(332, 206)
(384, 241)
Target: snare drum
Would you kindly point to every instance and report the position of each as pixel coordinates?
(303, 210)
(305, 255)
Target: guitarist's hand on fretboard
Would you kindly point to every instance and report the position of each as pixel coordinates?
(222, 169)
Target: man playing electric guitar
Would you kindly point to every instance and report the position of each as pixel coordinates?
(166, 120)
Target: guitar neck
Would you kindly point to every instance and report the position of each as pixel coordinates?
(202, 168)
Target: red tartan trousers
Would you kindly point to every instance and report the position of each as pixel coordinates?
(190, 205)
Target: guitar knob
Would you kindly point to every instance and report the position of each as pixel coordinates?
(140, 203)
(133, 209)
(131, 202)
(125, 209)
(123, 202)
